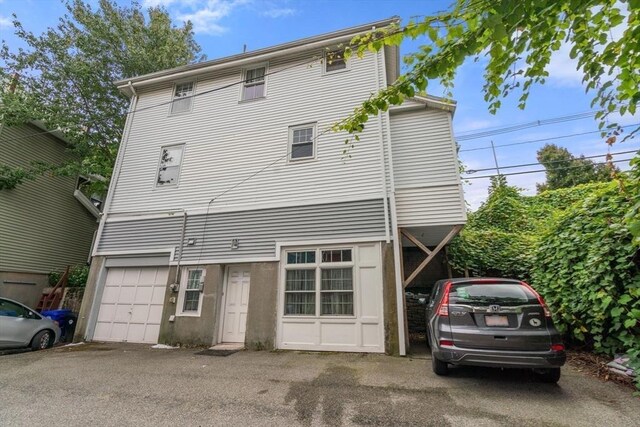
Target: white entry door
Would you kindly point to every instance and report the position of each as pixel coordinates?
(131, 305)
(236, 303)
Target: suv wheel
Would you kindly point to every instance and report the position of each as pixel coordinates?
(439, 367)
(551, 375)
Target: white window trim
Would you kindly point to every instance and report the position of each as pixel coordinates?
(183, 288)
(347, 63)
(243, 72)
(155, 178)
(317, 266)
(314, 140)
(173, 93)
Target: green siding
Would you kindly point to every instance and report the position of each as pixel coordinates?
(42, 225)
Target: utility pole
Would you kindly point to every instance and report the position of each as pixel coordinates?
(495, 158)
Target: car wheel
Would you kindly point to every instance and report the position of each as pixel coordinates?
(42, 340)
(551, 375)
(439, 367)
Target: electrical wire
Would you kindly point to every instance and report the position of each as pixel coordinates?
(552, 161)
(544, 170)
(488, 147)
(509, 129)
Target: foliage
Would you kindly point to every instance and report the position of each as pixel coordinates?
(563, 169)
(517, 38)
(588, 270)
(10, 177)
(499, 238)
(65, 77)
(78, 275)
(632, 217)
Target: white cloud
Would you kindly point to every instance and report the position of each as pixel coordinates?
(206, 16)
(5, 22)
(279, 12)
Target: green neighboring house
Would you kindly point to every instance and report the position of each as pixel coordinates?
(46, 223)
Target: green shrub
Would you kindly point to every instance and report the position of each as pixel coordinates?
(78, 275)
(586, 267)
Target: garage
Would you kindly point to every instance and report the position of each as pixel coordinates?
(131, 304)
(331, 298)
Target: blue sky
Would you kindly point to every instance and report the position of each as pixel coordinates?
(223, 26)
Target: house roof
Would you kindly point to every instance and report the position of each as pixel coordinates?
(128, 86)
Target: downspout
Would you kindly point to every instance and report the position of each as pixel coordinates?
(382, 168)
(397, 247)
(176, 280)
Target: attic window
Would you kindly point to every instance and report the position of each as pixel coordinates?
(182, 98)
(334, 61)
(253, 86)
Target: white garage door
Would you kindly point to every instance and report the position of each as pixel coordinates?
(331, 299)
(131, 306)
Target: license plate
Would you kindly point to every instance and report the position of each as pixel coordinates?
(496, 320)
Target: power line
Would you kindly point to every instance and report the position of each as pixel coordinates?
(544, 170)
(488, 147)
(553, 161)
(508, 129)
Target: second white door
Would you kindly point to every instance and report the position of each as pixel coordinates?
(236, 304)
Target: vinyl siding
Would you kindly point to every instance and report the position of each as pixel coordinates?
(42, 226)
(425, 168)
(257, 230)
(227, 141)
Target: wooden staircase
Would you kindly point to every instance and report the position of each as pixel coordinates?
(51, 297)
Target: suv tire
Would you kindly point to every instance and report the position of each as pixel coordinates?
(551, 375)
(439, 367)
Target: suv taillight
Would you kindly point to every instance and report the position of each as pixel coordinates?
(443, 307)
(547, 313)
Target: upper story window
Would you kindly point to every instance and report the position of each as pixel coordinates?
(169, 166)
(253, 86)
(182, 97)
(301, 142)
(334, 61)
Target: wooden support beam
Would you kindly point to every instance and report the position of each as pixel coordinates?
(455, 230)
(415, 241)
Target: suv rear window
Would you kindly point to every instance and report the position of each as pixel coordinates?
(493, 293)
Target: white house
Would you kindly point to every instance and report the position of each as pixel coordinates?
(234, 215)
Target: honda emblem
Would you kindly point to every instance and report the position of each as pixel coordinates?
(494, 308)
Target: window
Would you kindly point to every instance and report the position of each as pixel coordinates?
(253, 86)
(337, 292)
(11, 309)
(301, 142)
(169, 168)
(182, 98)
(190, 298)
(334, 61)
(334, 273)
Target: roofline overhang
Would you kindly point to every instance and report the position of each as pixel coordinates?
(426, 101)
(128, 86)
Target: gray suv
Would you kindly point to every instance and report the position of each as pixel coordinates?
(492, 322)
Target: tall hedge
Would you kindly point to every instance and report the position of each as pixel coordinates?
(587, 268)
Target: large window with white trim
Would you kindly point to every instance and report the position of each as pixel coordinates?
(319, 282)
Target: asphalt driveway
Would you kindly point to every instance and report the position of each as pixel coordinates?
(100, 384)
